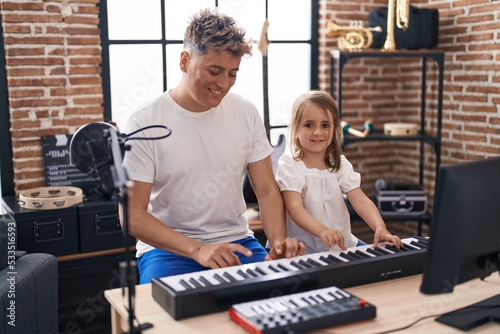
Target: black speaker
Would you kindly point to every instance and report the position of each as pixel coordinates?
(83, 308)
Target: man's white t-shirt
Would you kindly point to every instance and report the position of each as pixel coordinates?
(197, 171)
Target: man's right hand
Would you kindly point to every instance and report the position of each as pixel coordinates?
(220, 255)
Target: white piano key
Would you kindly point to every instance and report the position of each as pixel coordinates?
(327, 297)
(257, 309)
(299, 302)
(267, 308)
(280, 306)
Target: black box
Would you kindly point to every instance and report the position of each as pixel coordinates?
(44, 231)
(400, 199)
(99, 226)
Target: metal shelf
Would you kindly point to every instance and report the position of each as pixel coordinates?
(424, 138)
(431, 140)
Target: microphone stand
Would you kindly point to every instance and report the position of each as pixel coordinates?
(128, 269)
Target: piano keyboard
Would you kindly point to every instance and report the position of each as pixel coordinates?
(216, 290)
(299, 312)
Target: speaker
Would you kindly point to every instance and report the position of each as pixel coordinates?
(82, 306)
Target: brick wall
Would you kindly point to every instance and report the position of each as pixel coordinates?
(53, 59)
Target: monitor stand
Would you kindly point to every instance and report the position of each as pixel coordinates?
(474, 315)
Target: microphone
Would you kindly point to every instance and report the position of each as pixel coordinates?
(90, 152)
(97, 149)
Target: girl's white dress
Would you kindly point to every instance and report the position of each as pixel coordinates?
(322, 195)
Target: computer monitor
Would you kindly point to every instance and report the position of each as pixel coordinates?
(465, 226)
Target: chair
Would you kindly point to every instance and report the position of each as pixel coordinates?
(248, 193)
(28, 288)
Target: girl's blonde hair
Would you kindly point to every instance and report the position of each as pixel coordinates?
(328, 105)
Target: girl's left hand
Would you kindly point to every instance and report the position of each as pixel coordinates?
(385, 235)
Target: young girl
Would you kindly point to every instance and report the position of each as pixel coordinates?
(316, 176)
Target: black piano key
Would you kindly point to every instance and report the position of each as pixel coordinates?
(282, 267)
(334, 259)
(416, 244)
(320, 297)
(229, 277)
(205, 281)
(375, 252)
(332, 295)
(410, 246)
(422, 244)
(326, 260)
(266, 308)
(395, 249)
(219, 278)
(362, 254)
(382, 249)
(314, 300)
(195, 283)
(242, 274)
(273, 268)
(422, 240)
(306, 301)
(252, 273)
(314, 263)
(305, 264)
(257, 309)
(337, 294)
(354, 255)
(260, 271)
(348, 256)
(185, 284)
(296, 265)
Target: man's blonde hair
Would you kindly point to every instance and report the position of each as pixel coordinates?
(211, 30)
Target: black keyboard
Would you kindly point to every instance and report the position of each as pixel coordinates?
(301, 312)
(215, 290)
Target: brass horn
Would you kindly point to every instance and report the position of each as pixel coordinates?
(352, 37)
(400, 10)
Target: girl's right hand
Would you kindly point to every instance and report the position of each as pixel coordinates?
(332, 238)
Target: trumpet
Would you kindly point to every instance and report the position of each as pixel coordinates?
(352, 37)
(401, 10)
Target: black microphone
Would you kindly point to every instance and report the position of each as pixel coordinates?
(102, 160)
(97, 149)
(90, 152)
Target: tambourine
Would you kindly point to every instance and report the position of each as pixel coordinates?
(48, 198)
(400, 129)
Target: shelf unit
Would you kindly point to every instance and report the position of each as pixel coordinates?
(341, 57)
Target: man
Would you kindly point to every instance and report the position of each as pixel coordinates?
(186, 206)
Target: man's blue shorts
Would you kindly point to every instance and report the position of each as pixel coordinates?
(161, 263)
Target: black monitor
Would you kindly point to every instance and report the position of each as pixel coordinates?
(465, 226)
